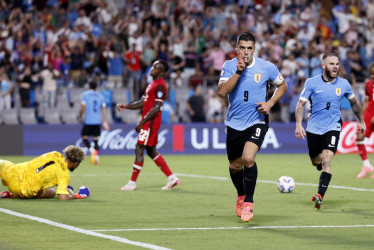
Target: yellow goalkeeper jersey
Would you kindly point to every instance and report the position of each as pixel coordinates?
(30, 179)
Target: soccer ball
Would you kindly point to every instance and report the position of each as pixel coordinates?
(285, 184)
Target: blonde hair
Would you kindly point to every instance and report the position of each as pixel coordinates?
(74, 153)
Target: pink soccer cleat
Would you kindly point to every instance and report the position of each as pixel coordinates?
(364, 171)
(239, 205)
(247, 212)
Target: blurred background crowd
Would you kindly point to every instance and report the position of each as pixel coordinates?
(51, 49)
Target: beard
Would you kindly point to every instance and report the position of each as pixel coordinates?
(330, 74)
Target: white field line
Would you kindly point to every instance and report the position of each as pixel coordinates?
(226, 179)
(83, 231)
(228, 228)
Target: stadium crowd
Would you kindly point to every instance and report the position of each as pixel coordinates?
(54, 46)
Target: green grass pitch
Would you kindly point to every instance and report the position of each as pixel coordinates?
(200, 212)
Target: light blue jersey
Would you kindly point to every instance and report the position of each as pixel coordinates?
(325, 98)
(93, 101)
(251, 88)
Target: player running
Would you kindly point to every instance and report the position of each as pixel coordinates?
(325, 93)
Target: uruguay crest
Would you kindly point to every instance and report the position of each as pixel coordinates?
(257, 78)
(338, 91)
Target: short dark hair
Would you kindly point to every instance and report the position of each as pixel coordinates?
(246, 36)
(328, 55)
(93, 85)
(164, 64)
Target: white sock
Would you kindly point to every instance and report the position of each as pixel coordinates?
(366, 163)
(172, 176)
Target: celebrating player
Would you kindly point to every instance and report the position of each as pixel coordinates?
(244, 79)
(325, 93)
(35, 178)
(368, 108)
(148, 127)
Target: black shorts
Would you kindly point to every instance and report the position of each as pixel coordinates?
(91, 130)
(235, 139)
(317, 143)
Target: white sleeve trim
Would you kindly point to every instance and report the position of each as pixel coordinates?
(351, 96)
(222, 80)
(303, 99)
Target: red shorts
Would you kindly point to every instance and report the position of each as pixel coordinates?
(148, 135)
(369, 126)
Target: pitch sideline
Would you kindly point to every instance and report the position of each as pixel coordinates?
(228, 228)
(83, 231)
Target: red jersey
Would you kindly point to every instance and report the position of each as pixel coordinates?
(133, 58)
(155, 91)
(369, 92)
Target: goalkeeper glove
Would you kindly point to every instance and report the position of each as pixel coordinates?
(83, 192)
(70, 189)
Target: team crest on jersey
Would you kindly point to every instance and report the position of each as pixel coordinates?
(257, 78)
(338, 91)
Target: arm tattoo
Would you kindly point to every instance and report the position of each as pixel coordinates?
(356, 108)
(299, 113)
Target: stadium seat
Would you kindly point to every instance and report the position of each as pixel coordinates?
(10, 117)
(109, 115)
(69, 116)
(120, 96)
(27, 116)
(75, 95)
(128, 116)
(52, 116)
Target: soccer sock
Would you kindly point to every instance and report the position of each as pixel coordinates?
(136, 168)
(362, 150)
(250, 178)
(86, 143)
(324, 181)
(161, 163)
(237, 180)
(96, 145)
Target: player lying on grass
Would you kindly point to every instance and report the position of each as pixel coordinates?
(36, 178)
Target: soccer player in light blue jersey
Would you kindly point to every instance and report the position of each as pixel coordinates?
(93, 104)
(325, 93)
(245, 80)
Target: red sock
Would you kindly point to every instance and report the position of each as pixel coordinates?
(161, 163)
(362, 151)
(136, 168)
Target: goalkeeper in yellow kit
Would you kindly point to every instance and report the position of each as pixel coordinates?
(35, 178)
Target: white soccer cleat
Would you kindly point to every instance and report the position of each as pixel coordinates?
(130, 186)
(172, 182)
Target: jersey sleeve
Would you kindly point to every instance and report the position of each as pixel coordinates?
(275, 76)
(227, 71)
(349, 91)
(160, 93)
(307, 91)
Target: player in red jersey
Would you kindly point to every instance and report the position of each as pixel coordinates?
(368, 108)
(148, 127)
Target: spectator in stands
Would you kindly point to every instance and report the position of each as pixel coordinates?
(6, 89)
(64, 69)
(115, 68)
(215, 106)
(196, 105)
(48, 77)
(25, 80)
(132, 58)
(77, 60)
